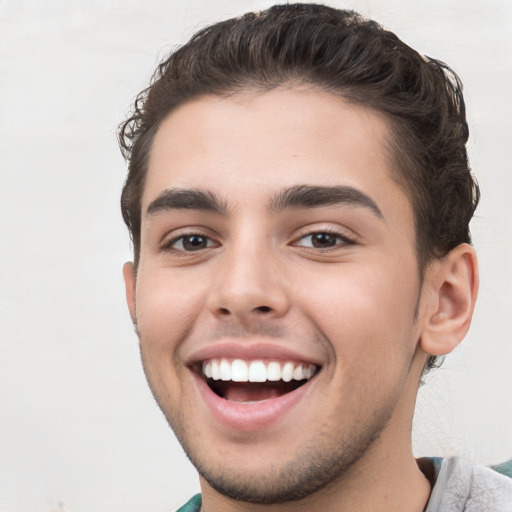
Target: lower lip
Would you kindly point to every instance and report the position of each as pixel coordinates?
(250, 416)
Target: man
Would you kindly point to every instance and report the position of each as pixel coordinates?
(298, 199)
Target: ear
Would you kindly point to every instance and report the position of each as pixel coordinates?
(453, 286)
(129, 284)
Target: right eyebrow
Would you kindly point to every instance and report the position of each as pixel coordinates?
(187, 199)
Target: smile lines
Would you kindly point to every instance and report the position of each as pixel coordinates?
(239, 370)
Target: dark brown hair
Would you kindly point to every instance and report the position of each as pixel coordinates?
(346, 55)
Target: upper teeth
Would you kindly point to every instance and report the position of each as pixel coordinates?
(239, 370)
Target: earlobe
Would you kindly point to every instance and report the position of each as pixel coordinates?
(454, 286)
(129, 283)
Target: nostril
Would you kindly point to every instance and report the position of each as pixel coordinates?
(224, 311)
(263, 309)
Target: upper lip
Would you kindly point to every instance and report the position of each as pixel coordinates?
(249, 351)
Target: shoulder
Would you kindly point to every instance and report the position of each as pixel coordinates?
(461, 486)
(193, 505)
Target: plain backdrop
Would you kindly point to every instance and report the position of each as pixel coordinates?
(79, 430)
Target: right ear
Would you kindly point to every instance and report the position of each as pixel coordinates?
(129, 284)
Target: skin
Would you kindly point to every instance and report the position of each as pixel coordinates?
(356, 308)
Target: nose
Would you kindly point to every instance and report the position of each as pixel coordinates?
(250, 286)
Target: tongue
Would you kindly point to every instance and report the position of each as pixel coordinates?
(249, 394)
(252, 392)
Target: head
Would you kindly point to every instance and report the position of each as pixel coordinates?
(321, 82)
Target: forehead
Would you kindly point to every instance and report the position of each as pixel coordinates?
(250, 144)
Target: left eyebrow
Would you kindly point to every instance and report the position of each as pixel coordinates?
(308, 196)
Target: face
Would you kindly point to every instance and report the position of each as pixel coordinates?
(276, 292)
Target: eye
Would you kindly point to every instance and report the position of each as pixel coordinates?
(190, 243)
(323, 240)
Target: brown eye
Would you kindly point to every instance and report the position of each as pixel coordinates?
(194, 242)
(324, 240)
(190, 243)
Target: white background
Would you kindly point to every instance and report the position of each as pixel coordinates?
(79, 430)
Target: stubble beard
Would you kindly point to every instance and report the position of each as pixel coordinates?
(325, 460)
(326, 457)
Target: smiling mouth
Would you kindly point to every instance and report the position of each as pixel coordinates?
(248, 382)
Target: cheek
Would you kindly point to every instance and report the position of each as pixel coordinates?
(364, 313)
(166, 309)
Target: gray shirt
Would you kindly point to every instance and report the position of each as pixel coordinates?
(462, 487)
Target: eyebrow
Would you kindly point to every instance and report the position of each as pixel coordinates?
(308, 196)
(187, 199)
(299, 196)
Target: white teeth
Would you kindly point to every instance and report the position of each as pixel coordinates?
(273, 371)
(257, 372)
(215, 370)
(224, 370)
(287, 373)
(308, 371)
(207, 370)
(298, 374)
(239, 370)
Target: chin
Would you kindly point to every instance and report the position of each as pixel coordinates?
(307, 469)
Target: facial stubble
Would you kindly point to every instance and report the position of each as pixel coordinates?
(321, 461)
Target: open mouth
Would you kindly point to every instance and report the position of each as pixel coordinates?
(254, 381)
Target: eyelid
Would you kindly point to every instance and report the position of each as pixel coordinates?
(168, 242)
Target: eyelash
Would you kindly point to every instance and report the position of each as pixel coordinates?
(341, 241)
